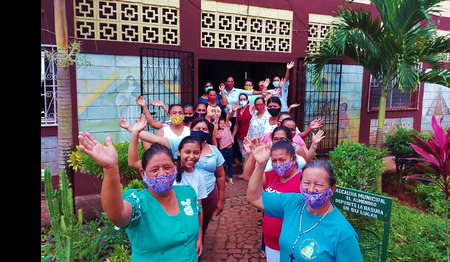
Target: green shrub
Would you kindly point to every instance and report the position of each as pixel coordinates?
(357, 166)
(413, 234)
(78, 160)
(431, 197)
(397, 142)
(96, 240)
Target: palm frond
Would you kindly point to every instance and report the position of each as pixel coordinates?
(439, 76)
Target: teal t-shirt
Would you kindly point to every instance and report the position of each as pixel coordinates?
(334, 239)
(157, 236)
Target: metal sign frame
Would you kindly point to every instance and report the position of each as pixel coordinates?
(366, 204)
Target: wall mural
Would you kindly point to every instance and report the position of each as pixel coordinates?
(436, 101)
(107, 90)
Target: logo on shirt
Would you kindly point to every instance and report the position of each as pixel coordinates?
(187, 207)
(309, 248)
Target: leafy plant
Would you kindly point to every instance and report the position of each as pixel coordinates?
(436, 162)
(430, 197)
(397, 142)
(357, 166)
(60, 208)
(78, 160)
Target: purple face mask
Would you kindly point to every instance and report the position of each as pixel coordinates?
(284, 168)
(316, 200)
(160, 184)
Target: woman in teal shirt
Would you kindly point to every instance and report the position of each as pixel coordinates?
(161, 221)
(313, 229)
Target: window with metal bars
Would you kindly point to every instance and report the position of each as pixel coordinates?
(49, 88)
(396, 99)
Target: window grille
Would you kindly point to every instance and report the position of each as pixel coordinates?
(396, 99)
(49, 88)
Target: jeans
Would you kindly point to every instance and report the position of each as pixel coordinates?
(227, 153)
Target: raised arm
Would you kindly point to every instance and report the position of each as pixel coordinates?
(224, 100)
(255, 184)
(316, 123)
(116, 209)
(151, 121)
(133, 154)
(289, 66)
(315, 140)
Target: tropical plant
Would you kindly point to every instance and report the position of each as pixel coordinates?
(390, 47)
(436, 157)
(63, 221)
(357, 166)
(397, 142)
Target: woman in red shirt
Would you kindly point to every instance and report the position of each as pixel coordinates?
(244, 113)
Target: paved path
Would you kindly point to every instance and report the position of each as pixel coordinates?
(234, 235)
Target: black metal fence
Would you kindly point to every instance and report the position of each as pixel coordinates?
(316, 103)
(167, 76)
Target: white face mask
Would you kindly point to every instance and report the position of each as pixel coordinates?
(242, 103)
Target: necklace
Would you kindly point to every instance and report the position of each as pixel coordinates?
(306, 231)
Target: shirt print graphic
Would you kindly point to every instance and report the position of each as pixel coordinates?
(187, 207)
(309, 249)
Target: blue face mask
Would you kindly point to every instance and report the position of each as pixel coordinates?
(200, 135)
(276, 83)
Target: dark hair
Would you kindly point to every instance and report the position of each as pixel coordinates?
(322, 164)
(199, 103)
(285, 130)
(287, 120)
(243, 94)
(188, 105)
(185, 140)
(248, 80)
(284, 145)
(284, 113)
(209, 90)
(274, 99)
(155, 148)
(208, 124)
(173, 105)
(259, 97)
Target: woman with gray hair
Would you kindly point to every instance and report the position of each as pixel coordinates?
(313, 228)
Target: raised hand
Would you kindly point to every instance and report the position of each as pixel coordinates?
(222, 87)
(290, 65)
(317, 137)
(316, 123)
(124, 123)
(266, 83)
(157, 103)
(261, 153)
(236, 106)
(106, 155)
(139, 124)
(140, 100)
(294, 106)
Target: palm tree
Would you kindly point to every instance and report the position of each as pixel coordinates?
(390, 47)
(64, 98)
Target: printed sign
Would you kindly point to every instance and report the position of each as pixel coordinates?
(363, 203)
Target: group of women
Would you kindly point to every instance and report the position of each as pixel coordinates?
(168, 223)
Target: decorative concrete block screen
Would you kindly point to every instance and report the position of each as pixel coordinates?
(155, 22)
(244, 27)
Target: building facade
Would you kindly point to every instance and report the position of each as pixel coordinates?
(168, 49)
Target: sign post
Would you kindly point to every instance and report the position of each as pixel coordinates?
(369, 205)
